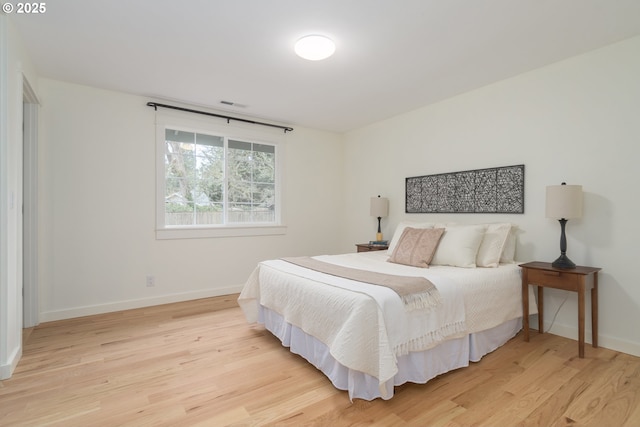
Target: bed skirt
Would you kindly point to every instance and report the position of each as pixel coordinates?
(416, 367)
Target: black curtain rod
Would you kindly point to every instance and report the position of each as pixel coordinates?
(155, 105)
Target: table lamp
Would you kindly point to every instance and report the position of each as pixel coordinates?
(379, 209)
(562, 203)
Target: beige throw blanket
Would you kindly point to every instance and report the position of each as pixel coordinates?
(415, 292)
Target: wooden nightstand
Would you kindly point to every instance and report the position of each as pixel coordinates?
(366, 247)
(579, 279)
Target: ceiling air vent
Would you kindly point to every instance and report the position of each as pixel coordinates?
(233, 104)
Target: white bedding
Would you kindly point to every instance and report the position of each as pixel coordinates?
(366, 327)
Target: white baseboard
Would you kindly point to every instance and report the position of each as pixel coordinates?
(6, 370)
(605, 341)
(49, 316)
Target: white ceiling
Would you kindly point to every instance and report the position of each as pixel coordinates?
(392, 55)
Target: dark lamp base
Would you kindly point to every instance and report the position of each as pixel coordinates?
(563, 262)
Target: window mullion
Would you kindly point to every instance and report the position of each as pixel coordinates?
(194, 183)
(251, 184)
(225, 189)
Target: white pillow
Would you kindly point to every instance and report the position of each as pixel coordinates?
(509, 251)
(400, 228)
(445, 224)
(459, 245)
(492, 245)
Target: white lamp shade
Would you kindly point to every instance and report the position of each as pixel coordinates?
(564, 201)
(379, 206)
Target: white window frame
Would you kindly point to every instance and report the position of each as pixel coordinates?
(243, 133)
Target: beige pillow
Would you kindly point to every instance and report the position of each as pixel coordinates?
(416, 246)
(493, 242)
(459, 245)
(400, 228)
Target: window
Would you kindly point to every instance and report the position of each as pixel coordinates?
(194, 178)
(251, 184)
(213, 184)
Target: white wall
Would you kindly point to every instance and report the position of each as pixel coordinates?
(15, 65)
(97, 207)
(576, 121)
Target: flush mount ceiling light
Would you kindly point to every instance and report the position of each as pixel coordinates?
(315, 48)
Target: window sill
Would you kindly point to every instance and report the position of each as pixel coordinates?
(213, 232)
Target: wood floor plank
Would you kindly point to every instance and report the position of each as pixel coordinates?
(616, 386)
(552, 410)
(199, 363)
(439, 415)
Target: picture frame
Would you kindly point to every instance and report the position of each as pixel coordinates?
(490, 190)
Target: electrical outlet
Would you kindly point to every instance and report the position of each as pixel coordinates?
(151, 281)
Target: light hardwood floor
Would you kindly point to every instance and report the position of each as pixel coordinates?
(200, 363)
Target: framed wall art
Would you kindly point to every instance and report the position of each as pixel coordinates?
(492, 190)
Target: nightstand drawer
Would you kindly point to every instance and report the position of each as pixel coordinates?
(553, 279)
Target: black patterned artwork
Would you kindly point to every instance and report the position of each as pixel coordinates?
(493, 190)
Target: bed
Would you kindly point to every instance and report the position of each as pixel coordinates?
(368, 338)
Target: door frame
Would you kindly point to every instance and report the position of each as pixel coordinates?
(30, 286)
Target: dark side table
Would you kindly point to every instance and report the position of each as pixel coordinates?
(579, 279)
(367, 247)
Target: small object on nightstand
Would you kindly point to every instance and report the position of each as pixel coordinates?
(578, 279)
(368, 247)
(379, 242)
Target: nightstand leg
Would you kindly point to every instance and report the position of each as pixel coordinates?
(581, 320)
(525, 305)
(594, 311)
(541, 309)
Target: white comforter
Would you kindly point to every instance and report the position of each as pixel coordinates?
(366, 326)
